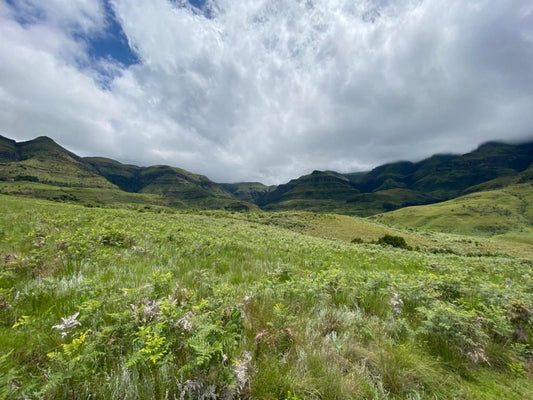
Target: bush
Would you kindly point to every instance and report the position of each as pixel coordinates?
(395, 241)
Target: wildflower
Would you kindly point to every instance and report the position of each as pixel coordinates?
(259, 337)
(68, 324)
(139, 249)
(477, 354)
(145, 311)
(241, 369)
(396, 303)
(185, 323)
(150, 310)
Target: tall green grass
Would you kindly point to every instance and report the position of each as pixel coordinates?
(111, 303)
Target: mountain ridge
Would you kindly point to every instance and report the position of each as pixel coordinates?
(43, 161)
(387, 187)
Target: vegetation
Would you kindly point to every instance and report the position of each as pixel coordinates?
(42, 168)
(394, 241)
(385, 188)
(401, 184)
(247, 191)
(504, 214)
(117, 303)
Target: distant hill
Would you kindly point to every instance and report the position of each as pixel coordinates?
(506, 212)
(43, 160)
(392, 186)
(319, 185)
(247, 191)
(169, 182)
(401, 184)
(46, 165)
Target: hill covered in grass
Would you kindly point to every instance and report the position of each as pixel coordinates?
(401, 184)
(42, 160)
(174, 184)
(42, 168)
(505, 213)
(247, 191)
(117, 304)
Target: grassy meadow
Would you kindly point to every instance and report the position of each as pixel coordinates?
(505, 214)
(106, 303)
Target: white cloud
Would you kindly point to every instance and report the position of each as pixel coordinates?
(268, 90)
(80, 16)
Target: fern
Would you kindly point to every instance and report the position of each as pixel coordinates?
(9, 383)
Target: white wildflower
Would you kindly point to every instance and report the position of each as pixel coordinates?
(68, 324)
(145, 311)
(396, 303)
(241, 369)
(185, 323)
(150, 310)
(138, 249)
(478, 354)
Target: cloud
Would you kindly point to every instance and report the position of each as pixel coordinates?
(269, 90)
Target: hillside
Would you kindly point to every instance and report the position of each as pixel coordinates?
(401, 184)
(117, 304)
(42, 168)
(247, 191)
(505, 213)
(318, 191)
(174, 184)
(43, 160)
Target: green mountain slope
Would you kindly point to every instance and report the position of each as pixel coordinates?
(43, 160)
(401, 184)
(42, 168)
(175, 184)
(505, 213)
(318, 191)
(247, 191)
(388, 187)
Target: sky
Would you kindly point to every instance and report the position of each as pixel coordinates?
(266, 90)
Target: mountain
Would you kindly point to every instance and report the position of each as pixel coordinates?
(318, 191)
(43, 160)
(445, 176)
(47, 166)
(506, 212)
(169, 182)
(401, 184)
(27, 167)
(247, 191)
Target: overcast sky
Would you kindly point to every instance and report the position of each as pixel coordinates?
(266, 90)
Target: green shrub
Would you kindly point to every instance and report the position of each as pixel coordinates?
(395, 241)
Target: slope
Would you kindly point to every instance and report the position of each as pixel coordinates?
(247, 191)
(401, 184)
(42, 168)
(175, 184)
(505, 213)
(43, 160)
(114, 304)
(318, 191)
